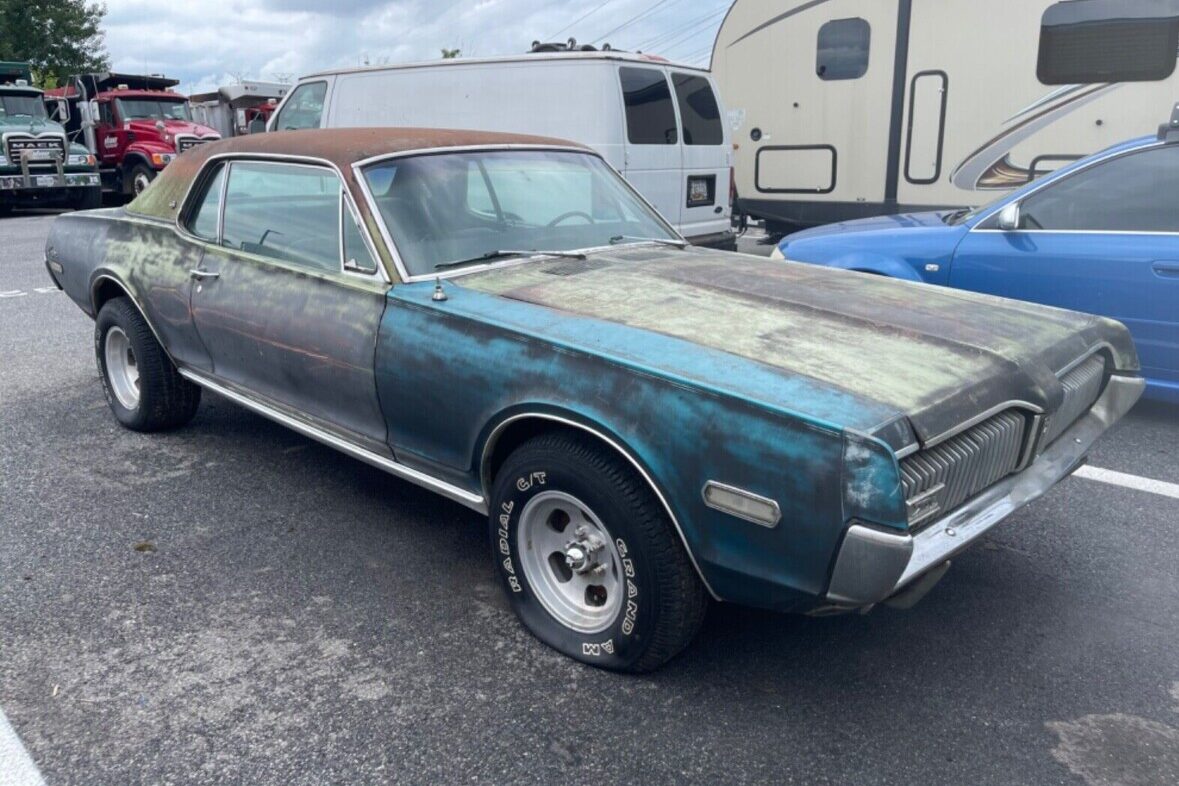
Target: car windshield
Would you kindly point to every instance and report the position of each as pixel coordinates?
(153, 109)
(22, 106)
(453, 209)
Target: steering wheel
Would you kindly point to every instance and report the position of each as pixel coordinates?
(571, 214)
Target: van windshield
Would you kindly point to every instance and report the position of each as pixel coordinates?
(465, 207)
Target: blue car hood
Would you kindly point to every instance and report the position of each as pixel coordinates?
(874, 224)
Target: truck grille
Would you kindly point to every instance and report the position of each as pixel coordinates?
(941, 478)
(1082, 385)
(189, 142)
(40, 149)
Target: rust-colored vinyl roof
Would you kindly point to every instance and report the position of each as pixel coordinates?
(341, 146)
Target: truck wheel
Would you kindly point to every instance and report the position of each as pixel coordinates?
(87, 199)
(140, 178)
(588, 557)
(142, 387)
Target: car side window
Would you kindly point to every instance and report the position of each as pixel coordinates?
(650, 116)
(288, 212)
(304, 109)
(843, 49)
(1136, 192)
(356, 254)
(202, 222)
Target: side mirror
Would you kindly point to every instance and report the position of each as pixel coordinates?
(1009, 217)
(59, 111)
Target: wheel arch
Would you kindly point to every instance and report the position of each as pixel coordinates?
(513, 428)
(105, 286)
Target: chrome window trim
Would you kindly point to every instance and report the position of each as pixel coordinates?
(229, 158)
(1050, 181)
(399, 262)
(471, 500)
(497, 432)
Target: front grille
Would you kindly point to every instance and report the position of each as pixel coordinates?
(188, 142)
(1082, 386)
(941, 478)
(38, 150)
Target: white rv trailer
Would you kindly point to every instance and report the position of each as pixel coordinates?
(235, 110)
(849, 108)
(658, 123)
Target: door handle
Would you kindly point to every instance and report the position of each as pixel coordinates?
(201, 275)
(1168, 269)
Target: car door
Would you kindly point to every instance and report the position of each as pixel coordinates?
(289, 299)
(704, 173)
(1103, 239)
(652, 150)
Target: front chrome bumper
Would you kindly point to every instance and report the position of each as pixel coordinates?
(35, 181)
(873, 565)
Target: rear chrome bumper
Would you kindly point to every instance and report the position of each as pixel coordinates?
(873, 565)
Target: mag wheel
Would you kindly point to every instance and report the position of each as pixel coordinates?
(591, 563)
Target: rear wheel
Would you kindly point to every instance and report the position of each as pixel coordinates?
(590, 561)
(142, 387)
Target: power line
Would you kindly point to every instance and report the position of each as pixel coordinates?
(669, 34)
(632, 20)
(592, 11)
(683, 36)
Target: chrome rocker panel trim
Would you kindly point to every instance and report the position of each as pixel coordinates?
(873, 565)
(471, 500)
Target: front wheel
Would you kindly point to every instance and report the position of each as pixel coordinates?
(142, 387)
(589, 559)
(140, 178)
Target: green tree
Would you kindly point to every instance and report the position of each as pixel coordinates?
(57, 37)
(450, 54)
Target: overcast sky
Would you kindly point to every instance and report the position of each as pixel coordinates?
(207, 43)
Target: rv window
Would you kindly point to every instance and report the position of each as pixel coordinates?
(843, 49)
(650, 117)
(304, 109)
(1105, 41)
(1134, 193)
(699, 112)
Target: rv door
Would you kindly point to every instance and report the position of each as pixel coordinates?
(652, 150)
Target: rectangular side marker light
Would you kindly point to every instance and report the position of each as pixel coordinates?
(742, 504)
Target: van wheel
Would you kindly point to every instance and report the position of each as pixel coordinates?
(589, 559)
(142, 387)
(140, 178)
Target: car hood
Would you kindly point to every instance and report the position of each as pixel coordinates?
(934, 356)
(25, 125)
(874, 224)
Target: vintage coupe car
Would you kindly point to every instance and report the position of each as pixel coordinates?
(503, 320)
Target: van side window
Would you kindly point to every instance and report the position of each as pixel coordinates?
(699, 111)
(202, 222)
(304, 109)
(650, 117)
(843, 49)
(1079, 45)
(289, 212)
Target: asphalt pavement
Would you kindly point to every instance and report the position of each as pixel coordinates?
(233, 603)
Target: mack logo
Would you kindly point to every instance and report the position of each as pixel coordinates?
(42, 147)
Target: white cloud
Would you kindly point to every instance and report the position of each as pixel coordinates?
(209, 42)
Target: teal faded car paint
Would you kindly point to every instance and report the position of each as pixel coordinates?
(687, 413)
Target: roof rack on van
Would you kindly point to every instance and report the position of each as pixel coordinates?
(566, 46)
(1169, 132)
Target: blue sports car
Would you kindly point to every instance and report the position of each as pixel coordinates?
(1100, 235)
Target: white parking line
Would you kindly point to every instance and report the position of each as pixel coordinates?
(16, 768)
(1135, 482)
(13, 293)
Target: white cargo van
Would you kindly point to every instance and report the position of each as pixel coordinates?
(659, 124)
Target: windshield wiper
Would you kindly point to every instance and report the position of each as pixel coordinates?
(663, 241)
(505, 253)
